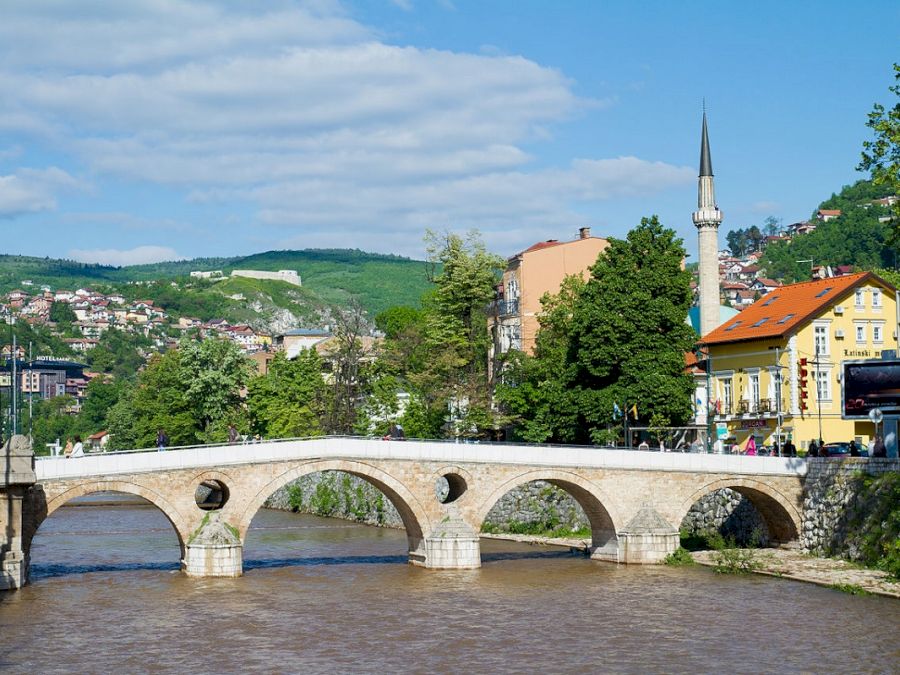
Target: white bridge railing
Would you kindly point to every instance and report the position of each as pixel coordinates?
(344, 447)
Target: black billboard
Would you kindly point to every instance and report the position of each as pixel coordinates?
(868, 385)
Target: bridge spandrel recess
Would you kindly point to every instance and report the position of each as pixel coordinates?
(614, 485)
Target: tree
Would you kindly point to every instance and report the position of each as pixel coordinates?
(881, 156)
(394, 320)
(213, 372)
(61, 313)
(101, 396)
(629, 332)
(192, 392)
(345, 356)
(438, 356)
(772, 226)
(456, 329)
(290, 400)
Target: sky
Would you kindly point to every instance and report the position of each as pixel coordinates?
(133, 132)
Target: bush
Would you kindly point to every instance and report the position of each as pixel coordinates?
(681, 557)
(729, 559)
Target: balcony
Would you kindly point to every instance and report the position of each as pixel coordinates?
(507, 307)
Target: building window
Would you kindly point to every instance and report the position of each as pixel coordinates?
(876, 298)
(877, 333)
(821, 339)
(776, 378)
(727, 396)
(860, 333)
(823, 385)
(860, 299)
(754, 392)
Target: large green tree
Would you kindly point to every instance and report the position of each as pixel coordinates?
(629, 332)
(290, 400)
(192, 393)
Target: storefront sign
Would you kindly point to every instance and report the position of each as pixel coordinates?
(862, 353)
(721, 430)
(754, 424)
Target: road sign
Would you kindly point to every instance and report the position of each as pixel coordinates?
(876, 415)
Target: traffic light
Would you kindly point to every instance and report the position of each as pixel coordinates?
(804, 373)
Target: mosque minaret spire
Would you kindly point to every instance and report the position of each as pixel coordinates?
(707, 218)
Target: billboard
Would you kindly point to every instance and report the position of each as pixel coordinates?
(868, 385)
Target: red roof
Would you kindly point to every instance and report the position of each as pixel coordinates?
(829, 212)
(785, 309)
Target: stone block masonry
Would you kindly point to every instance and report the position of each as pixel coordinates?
(851, 506)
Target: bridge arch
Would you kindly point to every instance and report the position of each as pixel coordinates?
(40, 512)
(781, 516)
(598, 506)
(414, 517)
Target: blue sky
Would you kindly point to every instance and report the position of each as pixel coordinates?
(156, 129)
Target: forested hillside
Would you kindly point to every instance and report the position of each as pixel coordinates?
(857, 237)
(330, 277)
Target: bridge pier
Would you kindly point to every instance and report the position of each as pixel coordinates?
(16, 477)
(647, 538)
(453, 545)
(214, 550)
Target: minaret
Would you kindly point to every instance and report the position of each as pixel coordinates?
(707, 218)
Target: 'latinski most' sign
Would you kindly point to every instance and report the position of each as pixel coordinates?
(871, 384)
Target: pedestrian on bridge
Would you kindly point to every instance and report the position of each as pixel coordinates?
(162, 440)
(232, 433)
(78, 448)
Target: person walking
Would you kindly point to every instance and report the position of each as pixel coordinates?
(78, 448)
(67, 450)
(854, 449)
(232, 433)
(789, 450)
(162, 440)
(751, 446)
(813, 449)
(879, 449)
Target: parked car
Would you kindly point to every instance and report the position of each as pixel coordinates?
(842, 449)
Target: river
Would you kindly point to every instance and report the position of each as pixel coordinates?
(322, 595)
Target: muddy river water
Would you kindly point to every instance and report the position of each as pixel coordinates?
(322, 595)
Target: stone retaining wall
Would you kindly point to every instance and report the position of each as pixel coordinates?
(838, 498)
(728, 513)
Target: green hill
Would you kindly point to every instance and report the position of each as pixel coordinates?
(332, 277)
(857, 237)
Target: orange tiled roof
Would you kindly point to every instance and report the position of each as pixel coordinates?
(785, 309)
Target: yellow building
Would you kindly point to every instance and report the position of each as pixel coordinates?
(775, 369)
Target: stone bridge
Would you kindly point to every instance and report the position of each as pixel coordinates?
(635, 501)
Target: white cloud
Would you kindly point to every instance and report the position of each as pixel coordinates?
(303, 114)
(139, 255)
(33, 190)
